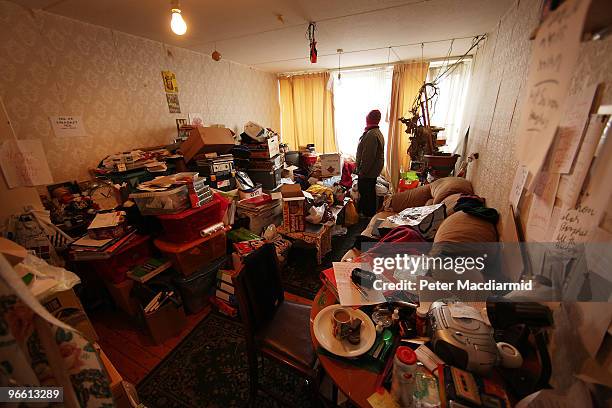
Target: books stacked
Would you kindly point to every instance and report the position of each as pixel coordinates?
(199, 192)
(225, 296)
(88, 249)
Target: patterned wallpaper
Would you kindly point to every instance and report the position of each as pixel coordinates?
(496, 93)
(51, 65)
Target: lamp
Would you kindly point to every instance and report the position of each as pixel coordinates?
(177, 24)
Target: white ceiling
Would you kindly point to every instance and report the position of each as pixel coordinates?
(249, 32)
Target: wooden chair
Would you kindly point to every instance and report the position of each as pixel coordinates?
(274, 328)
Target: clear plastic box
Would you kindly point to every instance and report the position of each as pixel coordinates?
(162, 202)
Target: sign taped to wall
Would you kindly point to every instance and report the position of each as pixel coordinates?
(67, 126)
(24, 163)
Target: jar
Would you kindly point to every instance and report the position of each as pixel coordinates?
(404, 370)
(421, 320)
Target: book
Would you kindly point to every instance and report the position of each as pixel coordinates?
(226, 287)
(226, 297)
(226, 275)
(151, 268)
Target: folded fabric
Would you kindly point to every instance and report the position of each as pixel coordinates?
(475, 205)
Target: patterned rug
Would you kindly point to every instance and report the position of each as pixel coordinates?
(209, 369)
(301, 275)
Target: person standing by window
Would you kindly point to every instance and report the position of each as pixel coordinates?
(370, 159)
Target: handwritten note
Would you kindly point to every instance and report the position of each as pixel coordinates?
(554, 55)
(571, 129)
(572, 184)
(520, 177)
(575, 226)
(67, 126)
(540, 212)
(24, 163)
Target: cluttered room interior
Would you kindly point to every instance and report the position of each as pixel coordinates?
(306, 203)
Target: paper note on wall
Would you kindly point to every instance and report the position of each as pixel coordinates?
(24, 163)
(571, 129)
(572, 185)
(520, 177)
(67, 126)
(576, 226)
(553, 57)
(541, 209)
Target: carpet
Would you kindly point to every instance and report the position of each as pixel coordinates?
(301, 275)
(209, 369)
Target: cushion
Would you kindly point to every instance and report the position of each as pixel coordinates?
(450, 203)
(288, 333)
(444, 187)
(415, 197)
(462, 227)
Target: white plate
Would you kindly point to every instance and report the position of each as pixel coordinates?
(322, 328)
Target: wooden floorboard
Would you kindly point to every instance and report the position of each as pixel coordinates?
(129, 347)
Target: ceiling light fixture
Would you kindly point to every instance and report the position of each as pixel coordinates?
(177, 24)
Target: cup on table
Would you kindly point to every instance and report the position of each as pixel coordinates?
(341, 323)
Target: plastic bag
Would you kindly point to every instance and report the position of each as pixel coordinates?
(351, 216)
(56, 279)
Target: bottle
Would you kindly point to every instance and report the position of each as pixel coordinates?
(403, 382)
(421, 320)
(395, 317)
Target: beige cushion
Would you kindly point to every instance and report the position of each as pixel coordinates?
(462, 227)
(450, 203)
(415, 197)
(444, 187)
(429, 202)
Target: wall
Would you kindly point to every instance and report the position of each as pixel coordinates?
(51, 65)
(496, 93)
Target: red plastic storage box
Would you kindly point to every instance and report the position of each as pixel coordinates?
(190, 257)
(115, 268)
(186, 226)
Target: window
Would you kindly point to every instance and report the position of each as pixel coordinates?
(355, 94)
(448, 106)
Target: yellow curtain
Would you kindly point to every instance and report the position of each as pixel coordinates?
(407, 81)
(307, 112)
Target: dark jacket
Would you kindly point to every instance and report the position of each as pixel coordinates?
(370, 154)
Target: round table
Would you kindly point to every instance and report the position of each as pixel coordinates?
(356, 383)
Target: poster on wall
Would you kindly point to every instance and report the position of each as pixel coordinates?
(554, 55)
(67, 126)
(170, 84)
(24, 163)
(173, 103)
(196, 119)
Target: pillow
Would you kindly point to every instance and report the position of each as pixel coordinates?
(450, 203)
(415, 197)
(462, 227)
(444, 187)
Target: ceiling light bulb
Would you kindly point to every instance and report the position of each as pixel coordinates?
(178, 25)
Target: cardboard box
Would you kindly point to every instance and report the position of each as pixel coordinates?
(331, 164)
(293, 207)
(120, 292)
(266, 150)
(206, 140)
(66, 306)
(166, 322)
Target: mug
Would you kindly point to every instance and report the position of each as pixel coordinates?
(341, 323)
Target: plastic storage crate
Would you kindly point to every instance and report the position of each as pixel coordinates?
(195, 290)
(186, 226)
(189, 257)
(162, 202)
